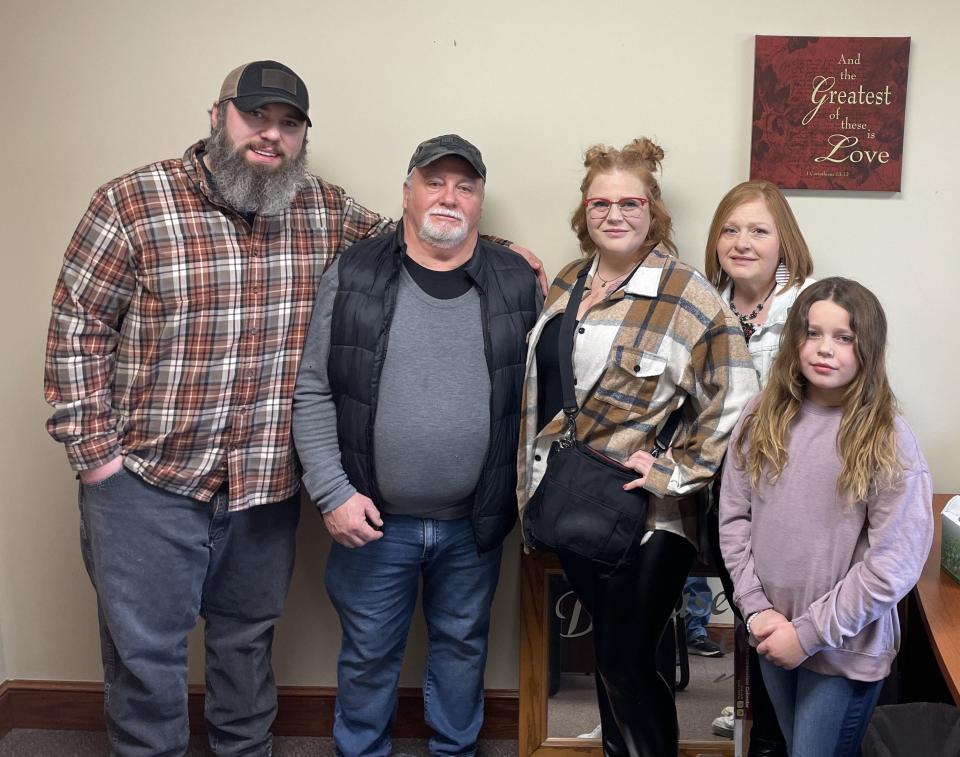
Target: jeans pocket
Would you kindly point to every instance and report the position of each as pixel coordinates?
(108, 481)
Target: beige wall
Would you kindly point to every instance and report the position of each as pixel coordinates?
(3, 664)
(94, 89)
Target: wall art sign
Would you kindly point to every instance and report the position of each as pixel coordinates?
(828, 112)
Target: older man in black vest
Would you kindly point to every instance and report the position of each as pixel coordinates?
(406, 417)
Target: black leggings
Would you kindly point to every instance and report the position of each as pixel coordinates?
(630, 609)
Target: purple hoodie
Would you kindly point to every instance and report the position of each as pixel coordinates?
(835, 570)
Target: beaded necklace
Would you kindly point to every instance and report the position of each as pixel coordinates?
(746, 321)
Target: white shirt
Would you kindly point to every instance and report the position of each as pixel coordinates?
(765, 342)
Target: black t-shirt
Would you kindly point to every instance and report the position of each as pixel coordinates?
(549, 390)
(443, 285)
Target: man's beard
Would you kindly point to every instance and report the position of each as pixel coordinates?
(248, 188)
(444, 237)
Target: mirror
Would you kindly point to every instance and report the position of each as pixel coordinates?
(557, 695)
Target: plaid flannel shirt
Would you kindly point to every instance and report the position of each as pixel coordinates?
(662, 341)
(177, 330)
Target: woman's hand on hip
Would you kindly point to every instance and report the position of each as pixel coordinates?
(641, 461)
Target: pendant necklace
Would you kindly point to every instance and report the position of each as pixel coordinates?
(615, 279)
(603, 281)
(746, 321)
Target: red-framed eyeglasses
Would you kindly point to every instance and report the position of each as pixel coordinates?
(630, 207)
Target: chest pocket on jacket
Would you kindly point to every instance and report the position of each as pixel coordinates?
(632, 378)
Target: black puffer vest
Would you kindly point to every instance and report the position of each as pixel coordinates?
(362, 313)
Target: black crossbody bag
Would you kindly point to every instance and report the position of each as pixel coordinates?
(580, 506)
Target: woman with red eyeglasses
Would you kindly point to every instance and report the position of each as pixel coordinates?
(651, 336)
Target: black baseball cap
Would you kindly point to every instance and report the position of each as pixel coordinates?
(265, 81)
(448, 144)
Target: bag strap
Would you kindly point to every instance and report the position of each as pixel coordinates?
(665, 437)
(565, 354)
(565, 347)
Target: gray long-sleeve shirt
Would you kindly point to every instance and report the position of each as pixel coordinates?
(433, 420)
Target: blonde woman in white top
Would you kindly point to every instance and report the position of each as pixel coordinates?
(758, 259)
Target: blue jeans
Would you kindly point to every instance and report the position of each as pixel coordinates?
(157, 561)
(697, 607)
(374, 590)
(820, 715)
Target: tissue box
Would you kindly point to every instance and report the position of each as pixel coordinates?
(950, 538)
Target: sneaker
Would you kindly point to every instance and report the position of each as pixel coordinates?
(723, 725)
(594, 734)
(704, 647)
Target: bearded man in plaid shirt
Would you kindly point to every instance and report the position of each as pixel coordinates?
(177, 328)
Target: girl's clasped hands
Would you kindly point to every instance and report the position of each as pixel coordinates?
(778, 639)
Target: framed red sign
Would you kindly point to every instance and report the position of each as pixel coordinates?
(828, 112)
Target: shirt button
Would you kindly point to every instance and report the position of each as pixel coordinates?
(581, 330)
(537, 458)
(636, 368)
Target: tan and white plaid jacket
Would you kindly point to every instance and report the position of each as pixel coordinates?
(662, 341)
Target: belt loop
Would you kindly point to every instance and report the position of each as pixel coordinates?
(221, 498)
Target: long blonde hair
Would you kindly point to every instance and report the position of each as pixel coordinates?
(794, 252)
(866, 441)
(642, 158)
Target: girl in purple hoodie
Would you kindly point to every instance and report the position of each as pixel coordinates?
(825, 519)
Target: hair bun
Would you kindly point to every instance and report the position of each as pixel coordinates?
(596, 153)
(639, 151)
(646, 152)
